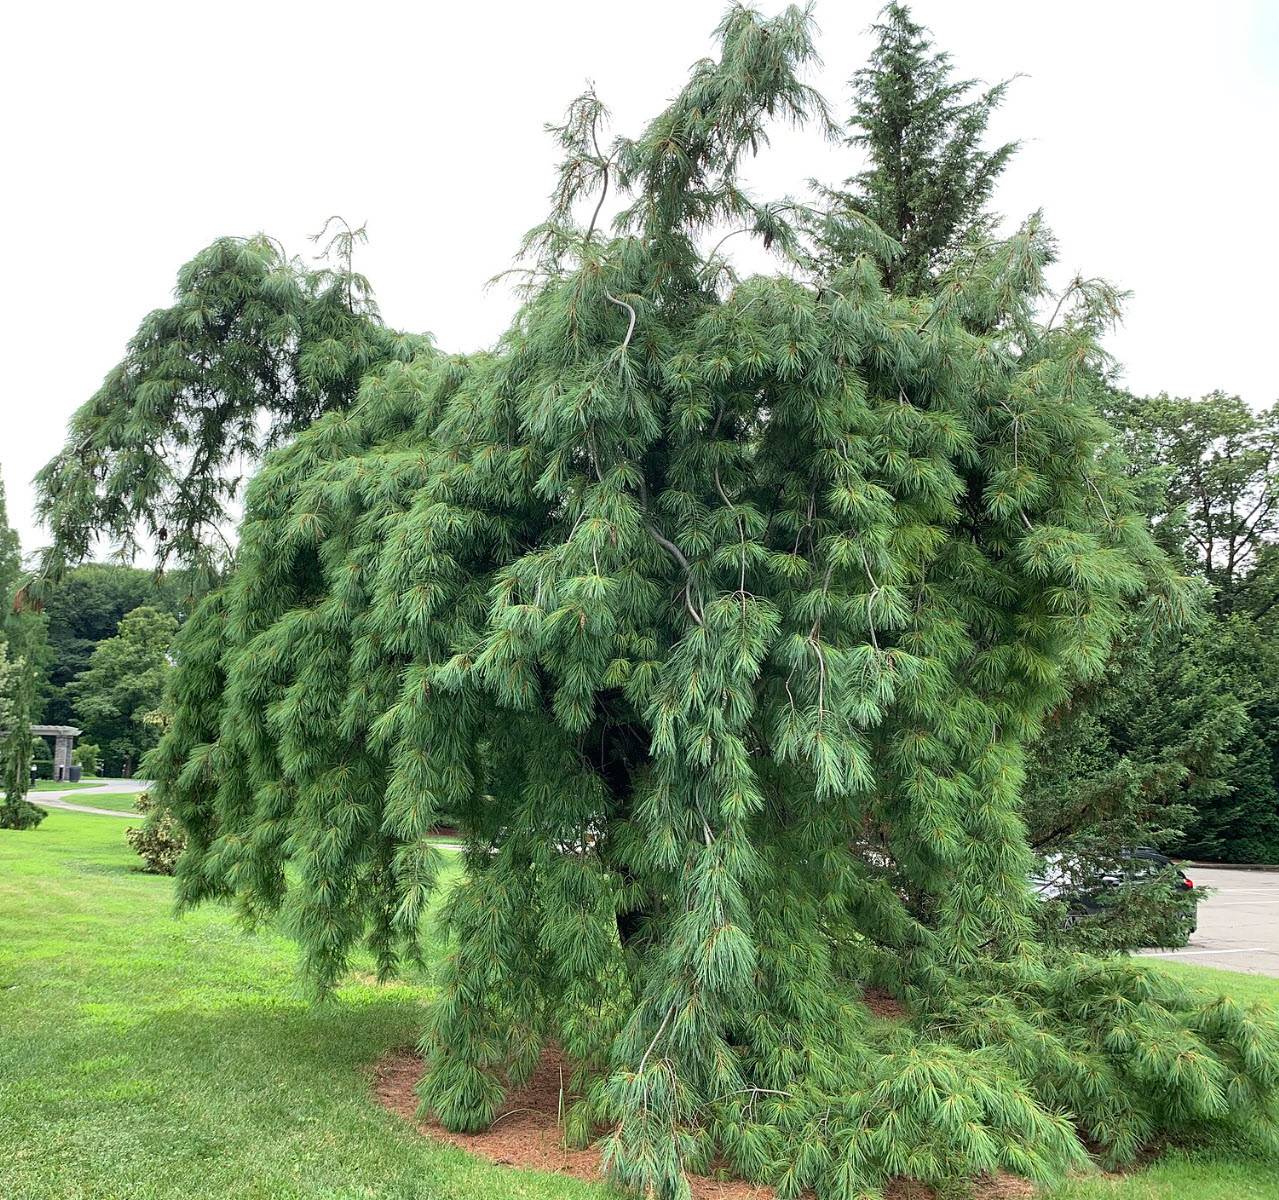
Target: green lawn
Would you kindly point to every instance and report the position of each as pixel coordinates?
(143, 1057)
(117, 801)
(53, 785)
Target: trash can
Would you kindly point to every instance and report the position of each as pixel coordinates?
(74, 775)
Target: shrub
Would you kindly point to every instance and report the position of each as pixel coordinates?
(16, 813)
(42, 758)
(159, 840)
(88, 757)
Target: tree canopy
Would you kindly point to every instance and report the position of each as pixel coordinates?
(83, 609)
(1182, 736)
(1216, 462)
(718, 613)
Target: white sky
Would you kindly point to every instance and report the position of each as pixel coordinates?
(134, 133)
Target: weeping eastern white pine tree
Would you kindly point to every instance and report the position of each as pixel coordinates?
(717, 614)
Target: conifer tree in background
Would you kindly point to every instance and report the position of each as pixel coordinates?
(928, 176)
(18, 684)
(21, 637)
(256, 346)
(1128, 761)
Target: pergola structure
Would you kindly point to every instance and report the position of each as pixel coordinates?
(64, 737)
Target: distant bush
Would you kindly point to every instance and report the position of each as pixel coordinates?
(159, 840)
(88, 757)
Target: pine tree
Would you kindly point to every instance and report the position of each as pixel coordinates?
(719, 616)
(928, 177)
(256, 346)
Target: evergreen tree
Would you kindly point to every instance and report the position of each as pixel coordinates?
(21, 642)
(123, 686)
(928, 177)
(15, 722)
(1127, 762)
(719, 617)
(1240, 822)
(256, 345)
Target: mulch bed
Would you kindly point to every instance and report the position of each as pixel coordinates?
(883, 1005)
(526, 1132)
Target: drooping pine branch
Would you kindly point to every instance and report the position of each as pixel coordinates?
(256, 346)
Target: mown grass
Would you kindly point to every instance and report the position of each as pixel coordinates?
(148, 1058)
(53, 785)
(116, 801)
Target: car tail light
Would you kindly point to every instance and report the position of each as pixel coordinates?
(1190, 883)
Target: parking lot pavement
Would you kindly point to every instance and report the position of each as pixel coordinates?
(1238, 923)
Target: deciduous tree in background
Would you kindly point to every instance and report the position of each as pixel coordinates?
(1218, 463)
(21, 645)
(123, 685)
(84, 608)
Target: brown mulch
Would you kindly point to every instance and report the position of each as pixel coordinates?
(883, 1005)
(526, 1132)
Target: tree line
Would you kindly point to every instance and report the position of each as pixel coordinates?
(94, 654)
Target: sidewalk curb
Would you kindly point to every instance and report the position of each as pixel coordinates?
(1211, 866)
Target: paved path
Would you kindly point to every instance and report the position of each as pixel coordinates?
(1238, 923)
(59, 800)
(110, 786)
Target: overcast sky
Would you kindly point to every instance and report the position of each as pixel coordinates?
(135, 133)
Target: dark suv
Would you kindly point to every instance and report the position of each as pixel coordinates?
(1063, 879)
